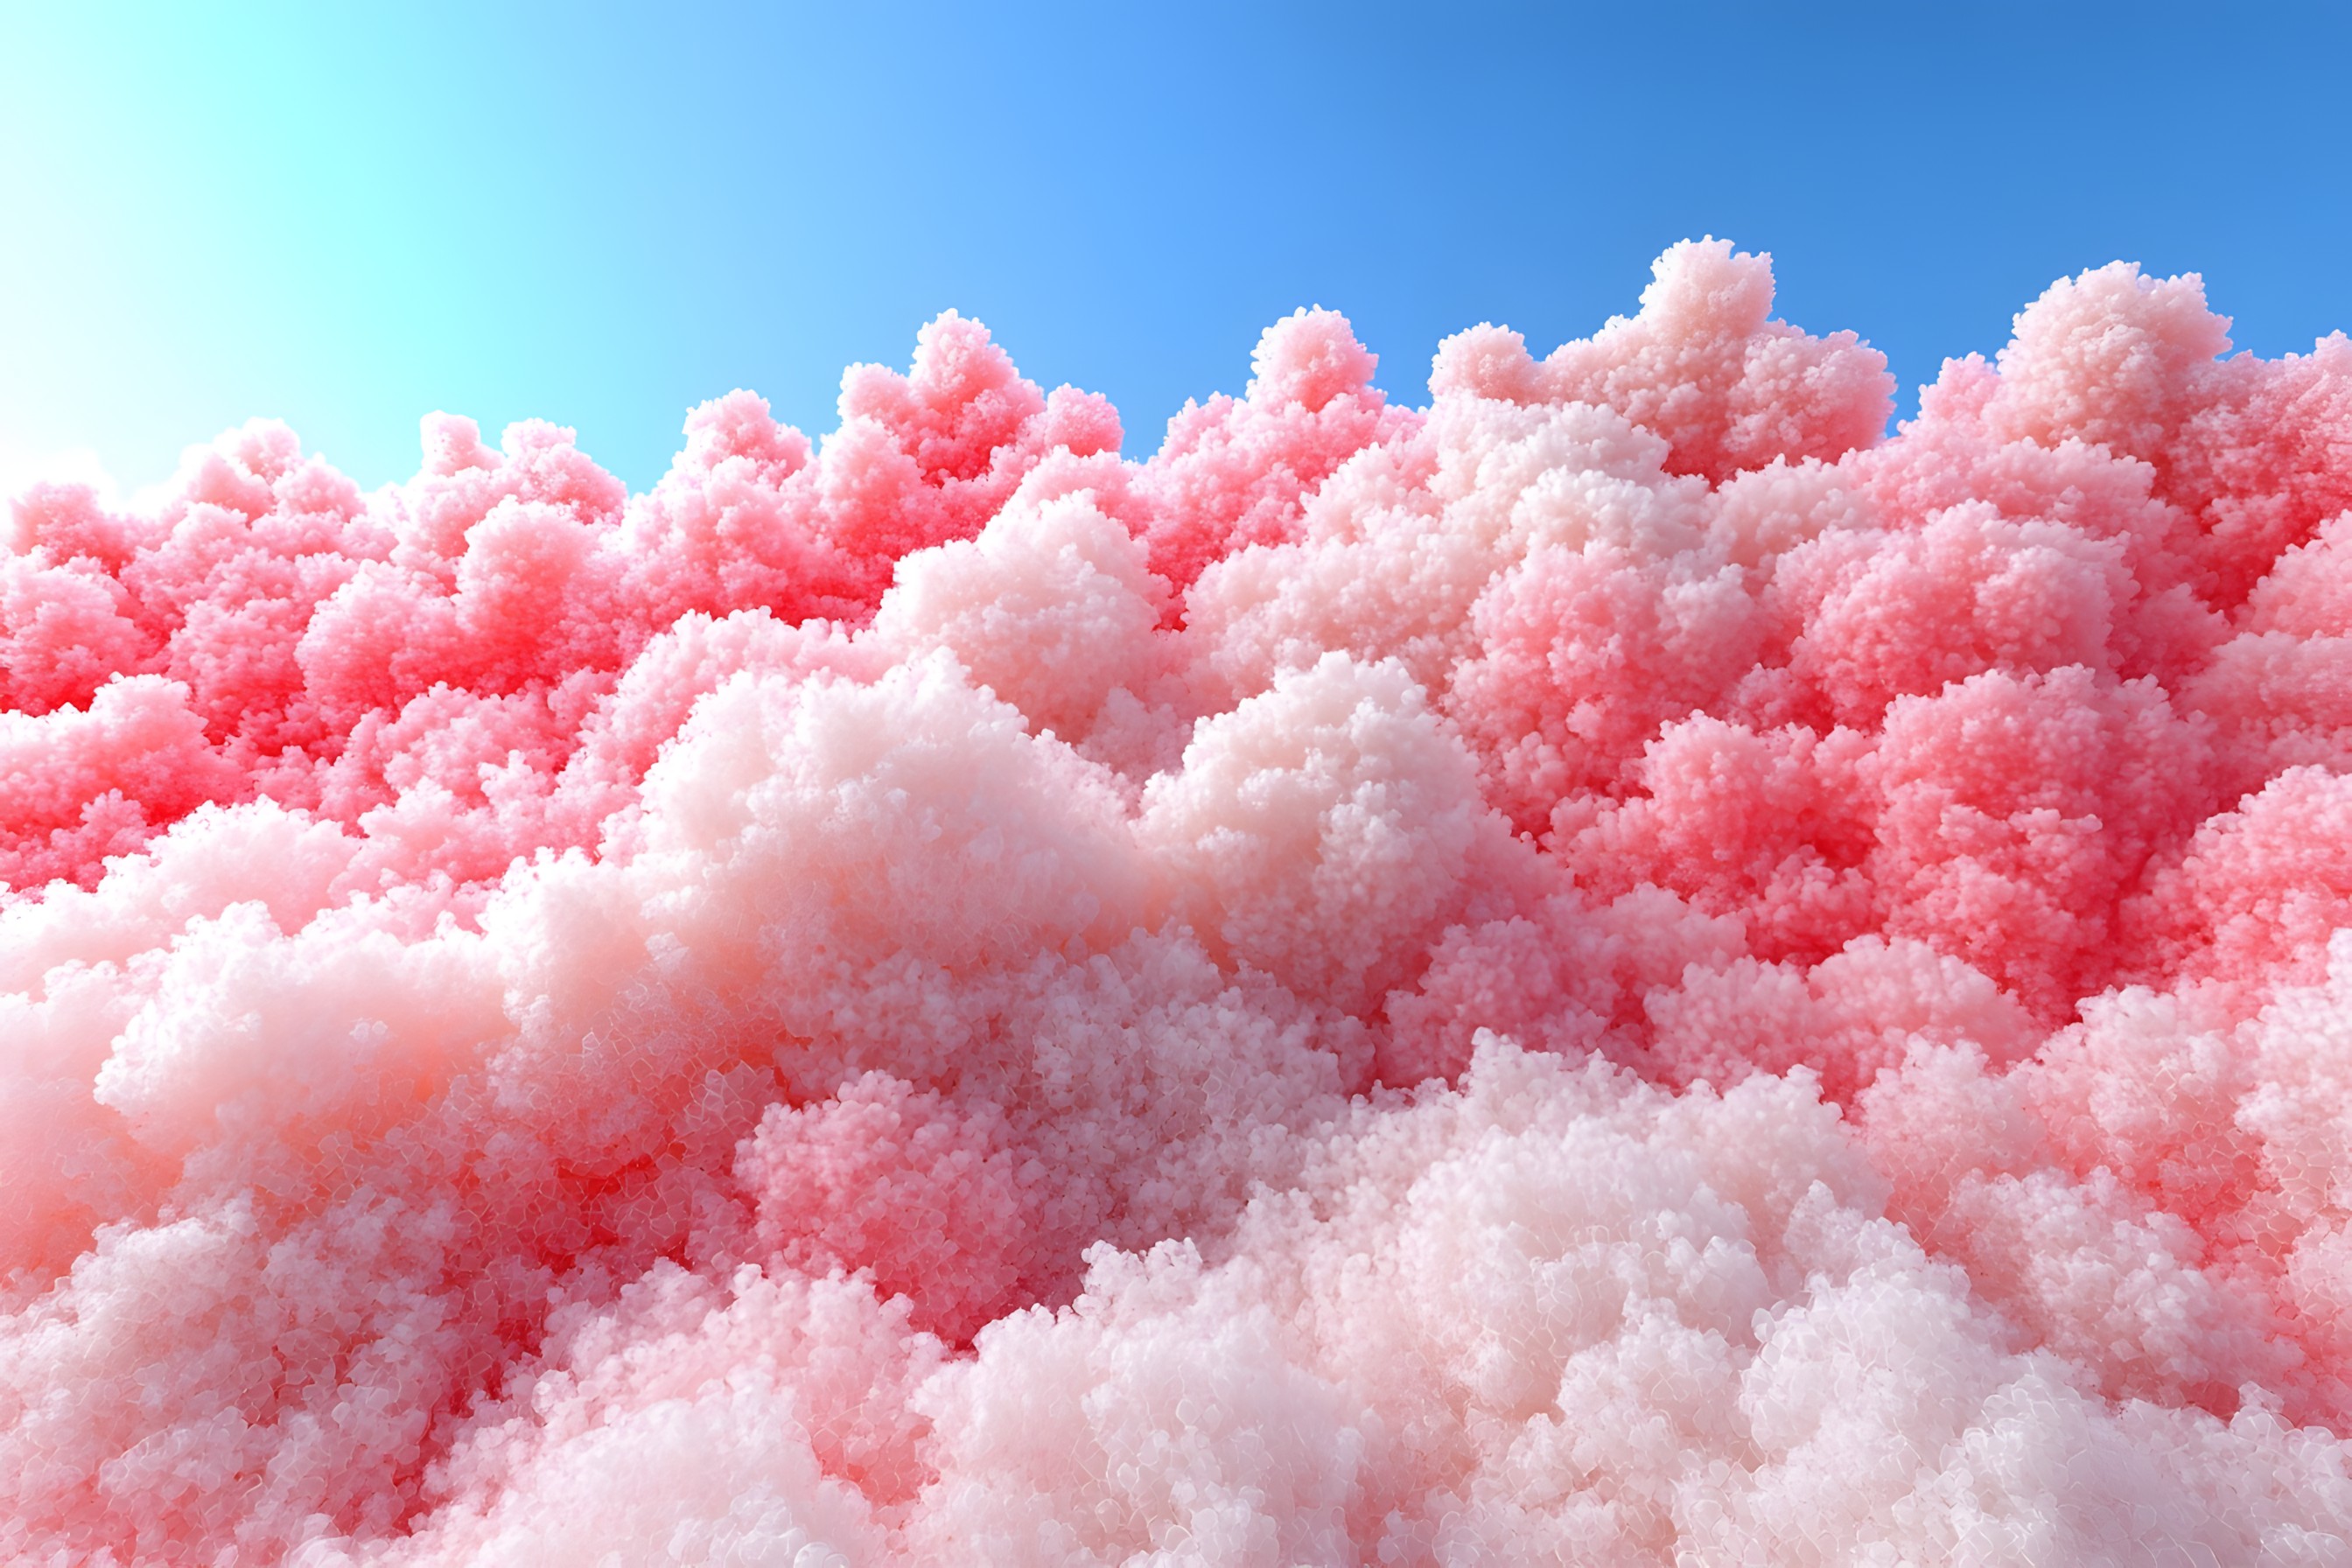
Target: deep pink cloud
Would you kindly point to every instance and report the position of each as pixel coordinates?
(1619, 968)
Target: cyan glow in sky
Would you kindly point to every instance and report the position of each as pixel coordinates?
(602, 215)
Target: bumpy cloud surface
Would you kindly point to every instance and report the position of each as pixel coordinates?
(1618, 969)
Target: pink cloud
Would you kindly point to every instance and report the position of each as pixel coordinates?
(1617, 968)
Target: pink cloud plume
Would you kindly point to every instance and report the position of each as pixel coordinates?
(1619, 968)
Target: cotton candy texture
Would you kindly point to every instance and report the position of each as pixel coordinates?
(1621, 968)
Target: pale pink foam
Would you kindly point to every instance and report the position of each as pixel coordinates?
(1619, 968)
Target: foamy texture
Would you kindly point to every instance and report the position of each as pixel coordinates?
(1614, 970)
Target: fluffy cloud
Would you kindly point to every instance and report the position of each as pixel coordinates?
(1619, 968)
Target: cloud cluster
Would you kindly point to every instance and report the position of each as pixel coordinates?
(1616, 969)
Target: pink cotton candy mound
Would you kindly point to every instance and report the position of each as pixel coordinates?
(1618, 969)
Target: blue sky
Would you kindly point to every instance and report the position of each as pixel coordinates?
(347, 216)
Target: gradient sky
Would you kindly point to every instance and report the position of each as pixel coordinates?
(347, 216)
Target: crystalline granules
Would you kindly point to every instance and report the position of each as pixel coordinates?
(1618, 969)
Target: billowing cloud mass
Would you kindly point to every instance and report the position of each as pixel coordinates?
(1619, 969)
